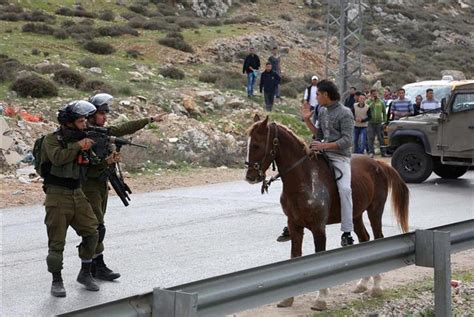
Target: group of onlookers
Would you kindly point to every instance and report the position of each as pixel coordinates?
(370, 112)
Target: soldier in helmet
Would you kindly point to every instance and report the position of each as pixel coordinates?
(96, 187)
(64, 162)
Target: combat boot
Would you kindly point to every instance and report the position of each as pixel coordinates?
(57, 287)
(101, 271)
(86, 279)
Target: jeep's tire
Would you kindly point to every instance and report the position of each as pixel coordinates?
(449, 171)
(412, 163)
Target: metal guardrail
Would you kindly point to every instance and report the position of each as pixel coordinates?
(258, 286)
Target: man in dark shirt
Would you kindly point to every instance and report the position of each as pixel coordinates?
(251, 66)
(269, 81)
(275, 60)
(349, 102)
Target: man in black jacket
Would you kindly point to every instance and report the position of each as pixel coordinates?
(251, 66)
(269, 81)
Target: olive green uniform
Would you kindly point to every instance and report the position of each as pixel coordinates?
(97, 190)
(65, 204)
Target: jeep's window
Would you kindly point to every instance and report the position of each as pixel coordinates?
(439, 92)
(463, 102)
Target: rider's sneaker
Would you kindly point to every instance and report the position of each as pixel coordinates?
(346, 239)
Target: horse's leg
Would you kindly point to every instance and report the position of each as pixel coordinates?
(319, 237)
(375, 212)
(363, 236)
(296, 234)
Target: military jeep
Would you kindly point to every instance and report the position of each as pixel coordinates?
(441, 142)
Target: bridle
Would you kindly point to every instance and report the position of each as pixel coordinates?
(258, 166)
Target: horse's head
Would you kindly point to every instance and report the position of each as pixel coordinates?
(261, 148)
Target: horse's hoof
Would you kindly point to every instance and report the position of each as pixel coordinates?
(286, 302)
(360, 289)
(319, 305)
(376, 292)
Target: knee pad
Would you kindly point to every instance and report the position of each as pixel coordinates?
(54, 260)
(101, 230)
(87, 246)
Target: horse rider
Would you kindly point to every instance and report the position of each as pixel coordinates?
(335, 126)
(96, 188)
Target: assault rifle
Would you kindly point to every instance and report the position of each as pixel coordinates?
(113, 173)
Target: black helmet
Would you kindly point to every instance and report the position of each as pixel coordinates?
(75, 110)
(102, 101)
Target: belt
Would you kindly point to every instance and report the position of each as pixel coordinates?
(61, 190)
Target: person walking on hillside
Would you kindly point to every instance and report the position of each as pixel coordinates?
(269, 81)
(250, 67)
(275, 60)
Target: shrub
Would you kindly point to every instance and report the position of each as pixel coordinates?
(188, 24)
(107, 15)
(38, 16)
(209, 77)
(117, 30)
(86, 21)
(137, 8)
(64, 11)
(89, 62)
(288, 91)
(60, 34)
(39, 28)
(133, 53)
(12, 8)
(34, 86)
(9, 67)
(10, 16)
(172, 72)
(212, 22)
(68, 23)
(35, 52)
(242, 55)
(101, 48)
(50, 68)
(97, 86)
(166, 10)
(286, 17)
(85, 31)
(130, 15)
(125, 90)
(176, 43)
(177, 35)
(68, 77)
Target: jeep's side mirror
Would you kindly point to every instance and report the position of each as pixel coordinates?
(443, 104)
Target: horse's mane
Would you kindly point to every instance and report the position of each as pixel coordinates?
(286, 129)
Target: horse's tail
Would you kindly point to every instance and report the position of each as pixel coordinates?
(400, 195)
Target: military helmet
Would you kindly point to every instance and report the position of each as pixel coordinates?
(75, 110)
(102, 101)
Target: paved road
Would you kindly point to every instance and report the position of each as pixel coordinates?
(175, 236)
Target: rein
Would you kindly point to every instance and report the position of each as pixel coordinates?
(259, 165)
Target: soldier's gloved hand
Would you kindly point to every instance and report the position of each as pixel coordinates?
(85, 144)
(158, 117)
(113, 158)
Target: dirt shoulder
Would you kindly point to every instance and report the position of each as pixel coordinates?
(14, 193)
(342, 302)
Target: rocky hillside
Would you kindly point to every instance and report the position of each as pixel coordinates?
(184, 58)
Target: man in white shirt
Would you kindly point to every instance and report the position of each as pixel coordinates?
(430, 103)
(310, 97)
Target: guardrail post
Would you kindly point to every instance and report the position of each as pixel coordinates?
(432, 249)
(174, 303)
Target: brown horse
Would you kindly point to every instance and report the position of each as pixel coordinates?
(310, 198)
